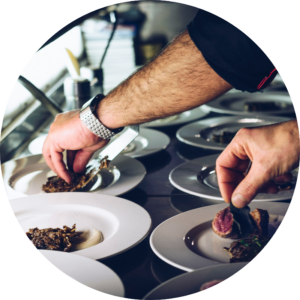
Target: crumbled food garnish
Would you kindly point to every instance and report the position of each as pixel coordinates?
(55, 184)
(53, 238)
(246, 249)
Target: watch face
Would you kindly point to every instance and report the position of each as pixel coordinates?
(95, 101)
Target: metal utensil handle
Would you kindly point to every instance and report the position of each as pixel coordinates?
(116, 146)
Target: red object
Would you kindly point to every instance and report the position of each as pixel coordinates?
(267, 80)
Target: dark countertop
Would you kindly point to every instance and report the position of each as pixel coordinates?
(139, 268)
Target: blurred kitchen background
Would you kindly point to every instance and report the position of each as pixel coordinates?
(109, 44)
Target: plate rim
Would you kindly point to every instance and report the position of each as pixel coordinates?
(198, 261)
(150, 138)
(193, 163)
(209, 107)
(195, 274)
(118, 188)
(142, 153)
(142, 215)
(69, 258)
(195, 115)
(206, 144)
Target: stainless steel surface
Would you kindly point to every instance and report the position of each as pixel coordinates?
(52, 107)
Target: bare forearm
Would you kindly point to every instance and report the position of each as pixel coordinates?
(177, 80)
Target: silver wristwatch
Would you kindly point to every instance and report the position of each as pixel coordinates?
(92, 123)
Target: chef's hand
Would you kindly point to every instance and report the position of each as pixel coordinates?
(274, 152)
(67, 132)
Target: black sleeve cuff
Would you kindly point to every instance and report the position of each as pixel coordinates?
(230, 53)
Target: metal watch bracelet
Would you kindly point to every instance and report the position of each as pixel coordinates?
(92, 123)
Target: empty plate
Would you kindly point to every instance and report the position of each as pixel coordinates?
(52, 274)
(185, 117)
(234, 104)
(148, 142)
(198, 177)
(216, 133)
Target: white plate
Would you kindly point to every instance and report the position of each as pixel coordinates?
(51, 274)
(187, 116)
(191, 234)
(197, 177)
(25, 176)
(148, 142)
(122, 223)
(190, 283)
(233, 103)
(199, 134)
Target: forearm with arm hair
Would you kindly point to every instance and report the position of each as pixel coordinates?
(177, 80)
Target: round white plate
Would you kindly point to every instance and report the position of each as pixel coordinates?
(190, 283)
(199, 134)
(198, 177)
(25, 176)
(56, 275)
(122, 223)
(148, 142)
(233, 103)
(187, 116)
(191, 235)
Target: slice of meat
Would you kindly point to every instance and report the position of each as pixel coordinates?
(209, 284)
(224, 226)
(261, 218)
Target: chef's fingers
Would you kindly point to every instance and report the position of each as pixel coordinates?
(228, 180)
(59, 165)
(81, 159)
(283, 178)
(250, 185)
(47, 155)
(230, 169)
(70, 159)
(84, 155)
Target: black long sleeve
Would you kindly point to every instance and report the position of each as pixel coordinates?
(230, 53)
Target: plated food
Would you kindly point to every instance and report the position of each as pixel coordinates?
(252, 227)
(65, 239)
(217, 133)
(26, 176)
(107, 225)
(197, 245)
(198, 177)
(56, 184)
